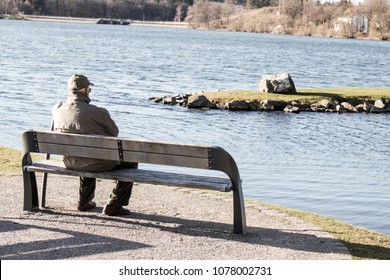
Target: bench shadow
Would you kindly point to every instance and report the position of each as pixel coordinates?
(72, 244)
(79, 244)
(285, 239)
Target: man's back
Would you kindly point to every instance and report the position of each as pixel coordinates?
(76, 115)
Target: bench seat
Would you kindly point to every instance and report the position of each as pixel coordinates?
(136, 175)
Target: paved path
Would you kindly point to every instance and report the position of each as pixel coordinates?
(167, 223)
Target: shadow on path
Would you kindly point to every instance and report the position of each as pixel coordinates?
(78, 243)
(75, 244)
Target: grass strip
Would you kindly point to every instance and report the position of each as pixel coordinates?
(11, 160)
(352, 95)
(362, 243)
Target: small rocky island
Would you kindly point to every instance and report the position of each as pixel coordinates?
(276, 84)
(114, 21)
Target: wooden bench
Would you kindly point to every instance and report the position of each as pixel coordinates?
(130, 150)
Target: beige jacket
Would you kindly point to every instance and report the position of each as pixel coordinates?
(76, 115)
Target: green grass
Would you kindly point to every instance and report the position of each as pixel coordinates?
(11, 160)
(353, 95)
(361, 242)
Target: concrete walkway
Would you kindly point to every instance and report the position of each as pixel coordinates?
(167, 223)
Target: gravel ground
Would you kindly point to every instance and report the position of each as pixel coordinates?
(166, 223)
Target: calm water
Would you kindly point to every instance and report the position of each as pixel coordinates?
(331, 164)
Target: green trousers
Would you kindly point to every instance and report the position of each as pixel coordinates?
(120, 195)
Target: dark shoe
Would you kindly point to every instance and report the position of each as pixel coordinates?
(115, 210)
(85, 206)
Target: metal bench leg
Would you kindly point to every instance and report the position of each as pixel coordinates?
(239, 220)
(30, 191)
(44, 184)
(221, 160)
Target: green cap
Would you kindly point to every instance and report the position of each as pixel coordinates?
(78, 81)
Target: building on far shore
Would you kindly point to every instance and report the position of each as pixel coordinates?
(358, 23)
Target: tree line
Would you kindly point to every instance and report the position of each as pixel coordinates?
(369, 19)
(304, 17)
(156, 10)
(166, 10)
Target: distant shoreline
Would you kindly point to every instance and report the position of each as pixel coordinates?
(95, 20)
(61, 19)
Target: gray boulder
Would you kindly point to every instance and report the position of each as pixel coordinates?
(267, 107)
(341, 109)
(302, 106)
(254, 105)
(367, 106)
(277, 83)
(277, 105)
(200, 101)
(349, 107)
(381, 103)
(376, 110)
(328, 103)
(239, 105)
(318, 108)
(169, 100)
(292, 109)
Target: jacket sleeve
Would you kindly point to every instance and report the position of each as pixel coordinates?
(55, 107)
(108, 123)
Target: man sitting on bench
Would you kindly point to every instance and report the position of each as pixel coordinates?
(76, 115)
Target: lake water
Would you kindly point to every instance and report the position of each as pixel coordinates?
(331, 164)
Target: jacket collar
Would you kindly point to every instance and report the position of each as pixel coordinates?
(78, 96)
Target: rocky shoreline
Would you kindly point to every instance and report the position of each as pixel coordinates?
(327, 105)
(276, 84)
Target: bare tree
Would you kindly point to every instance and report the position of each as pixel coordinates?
(9, 7)
(199, 14)
(293, 8)
(379, 14)
(209, 14)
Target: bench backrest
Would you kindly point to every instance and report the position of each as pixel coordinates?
(130, 150)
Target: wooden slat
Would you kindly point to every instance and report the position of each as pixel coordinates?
(92, 146)
(78, 151)
(77, 139)
(173, 160)
(164, 148)
(136, 175)
(127, 144)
